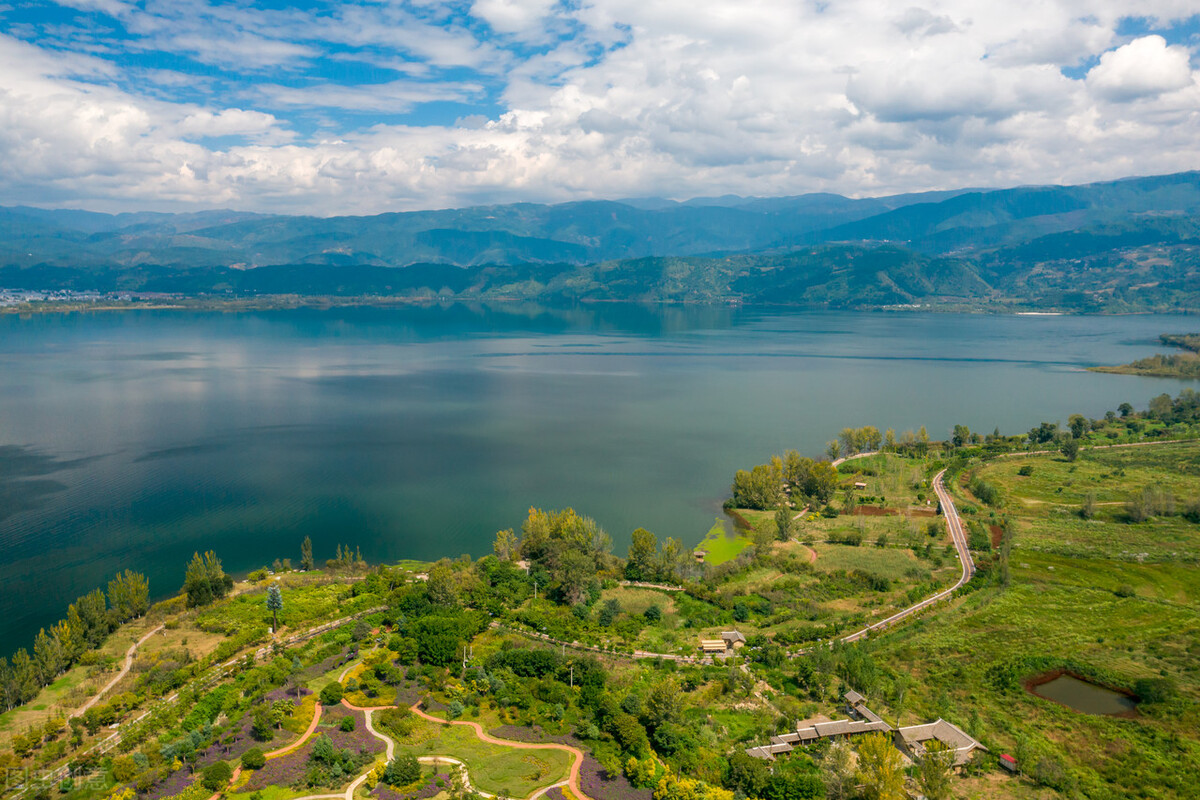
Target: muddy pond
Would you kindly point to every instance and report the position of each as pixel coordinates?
(1085, 697)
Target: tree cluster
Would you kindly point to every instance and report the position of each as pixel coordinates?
(88, 622)
(205, 581)
(567, 553)
(649, 563)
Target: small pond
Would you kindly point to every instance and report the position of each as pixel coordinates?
(1083, 696)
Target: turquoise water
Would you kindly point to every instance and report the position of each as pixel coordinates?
(133, 439)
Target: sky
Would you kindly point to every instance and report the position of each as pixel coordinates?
(369, 106)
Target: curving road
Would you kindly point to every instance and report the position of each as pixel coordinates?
(959, 537)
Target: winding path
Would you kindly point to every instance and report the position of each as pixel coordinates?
(571, 782)
(129, 654)
(576, 753)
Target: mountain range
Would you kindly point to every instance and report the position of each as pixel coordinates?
(1131, 244)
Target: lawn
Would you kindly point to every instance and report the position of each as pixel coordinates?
(492, 768)
(891, 562)
(719, 547)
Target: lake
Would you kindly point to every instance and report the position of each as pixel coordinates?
(133, 439)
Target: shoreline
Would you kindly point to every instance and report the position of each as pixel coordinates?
(283, 302)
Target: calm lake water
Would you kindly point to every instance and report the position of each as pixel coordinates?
(1086, 697)
(134, 439)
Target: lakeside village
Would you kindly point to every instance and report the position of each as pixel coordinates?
(935, 620)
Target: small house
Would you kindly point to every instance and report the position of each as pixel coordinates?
(911, 740)
(859, 485)
(733, 640)
(713, 647)
(1008, 762)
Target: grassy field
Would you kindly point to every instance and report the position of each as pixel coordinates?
(1045, 505)
(891, 562)
(1075, 601)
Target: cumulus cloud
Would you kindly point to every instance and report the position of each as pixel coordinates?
(1143, 68)
(604, 99)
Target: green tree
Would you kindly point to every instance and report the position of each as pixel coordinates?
(663, 704)
(783, 523)
(671, 560)
(1070, 448)
(609, 611)
(1078, 425)
(442, 586)
(758, 488)
(205, 581)
(402, 770)
(889, 440)
(748, 774)
(643, 553)
(962, 435)
(274, 604)
(1126, 409)
(262, 726)
(506, 545)
(869, 438)
(795, 468)
(822, 482)
(306, 554)
(934, 771)
(850, 441)
(880, 768)
(837, 770)
(833, 449)
(129, 595)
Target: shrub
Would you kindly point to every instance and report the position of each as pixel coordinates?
(331, 695)
(216, 776)
(254, 759)
(347, 724)
(1155, 690)
(1026, 470)
(652, 614)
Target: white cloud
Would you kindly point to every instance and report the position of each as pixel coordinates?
(513, 16)
(751, 97)
(1143, 68)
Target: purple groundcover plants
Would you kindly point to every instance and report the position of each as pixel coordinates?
(175, 783)
(534, 735)
(595, 783)
(428, 789)
(287, 693)
(358, 740)
(289, 770)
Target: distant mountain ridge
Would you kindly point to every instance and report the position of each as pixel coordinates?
(1027, 244)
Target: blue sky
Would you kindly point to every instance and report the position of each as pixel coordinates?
(365, 107)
